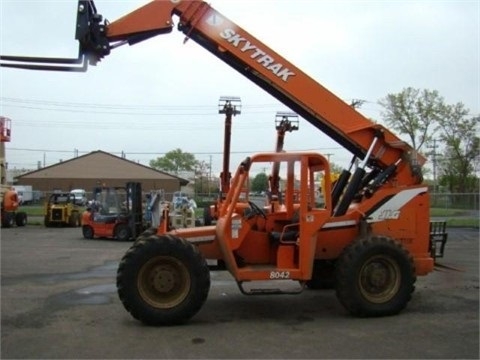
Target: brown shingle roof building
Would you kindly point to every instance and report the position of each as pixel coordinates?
(99, 168)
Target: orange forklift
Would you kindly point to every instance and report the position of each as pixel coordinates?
(114, 213)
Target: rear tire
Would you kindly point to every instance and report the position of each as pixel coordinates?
(375, 277)
(87, 232)
(163, 280)
(8, 220)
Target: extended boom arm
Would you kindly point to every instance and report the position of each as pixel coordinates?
(239, 49)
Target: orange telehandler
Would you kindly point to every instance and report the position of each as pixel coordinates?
(373, 226)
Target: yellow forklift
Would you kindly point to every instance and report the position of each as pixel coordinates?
(61, 210)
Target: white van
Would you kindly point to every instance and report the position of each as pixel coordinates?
(80, 196)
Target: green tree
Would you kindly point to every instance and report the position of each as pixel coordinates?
(175, 161)
(462, 149)
(414, 113)
(421, 114)
(202, 172)
(259, 182)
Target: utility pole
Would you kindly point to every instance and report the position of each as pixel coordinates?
(434, 161)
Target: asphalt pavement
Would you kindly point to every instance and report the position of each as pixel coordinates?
(59, 301)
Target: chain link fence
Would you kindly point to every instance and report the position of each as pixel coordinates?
(466, 201)
(461, 201)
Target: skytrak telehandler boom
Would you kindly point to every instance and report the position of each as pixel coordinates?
(370, 236)
(368, 141)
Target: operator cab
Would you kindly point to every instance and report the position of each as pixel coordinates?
(258, 241)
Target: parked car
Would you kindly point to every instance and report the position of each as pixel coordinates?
(80, 196)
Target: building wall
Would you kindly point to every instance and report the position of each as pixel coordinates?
(96, 169)
(49, 185)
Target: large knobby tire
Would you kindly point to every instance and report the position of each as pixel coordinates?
(146, 233)
(375, 277)
(123, 232)
(163, 280)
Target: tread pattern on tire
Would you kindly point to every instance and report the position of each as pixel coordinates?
(347, 268)
(165, 245)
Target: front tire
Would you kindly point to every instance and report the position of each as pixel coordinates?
(146, 234)
(163, 280)
(122, 232)
(21, 219)
(375, 277)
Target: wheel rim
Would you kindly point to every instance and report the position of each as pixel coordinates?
(379, 279)
(163, 282)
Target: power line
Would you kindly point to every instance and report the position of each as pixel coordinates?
(127, 109)
(122, 106)
(77, 151)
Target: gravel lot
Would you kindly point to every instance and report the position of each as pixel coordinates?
(59, 301)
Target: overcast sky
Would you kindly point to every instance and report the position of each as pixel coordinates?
(151, 98)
